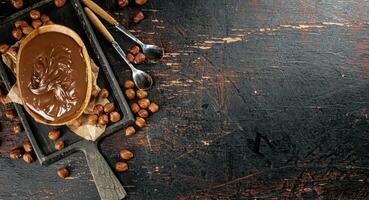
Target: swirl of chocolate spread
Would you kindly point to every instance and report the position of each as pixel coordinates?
(52, 74)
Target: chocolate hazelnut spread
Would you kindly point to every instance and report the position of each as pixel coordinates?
(52, 76)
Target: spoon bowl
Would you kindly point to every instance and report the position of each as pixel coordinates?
(152, 52)
(141, 79)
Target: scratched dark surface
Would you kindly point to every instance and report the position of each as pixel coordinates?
(259, 99)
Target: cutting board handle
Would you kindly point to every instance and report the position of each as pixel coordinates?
(107, 183)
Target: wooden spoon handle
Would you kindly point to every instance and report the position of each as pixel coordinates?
(99, 11)
(99, 25)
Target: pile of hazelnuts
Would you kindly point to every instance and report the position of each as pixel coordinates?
(141, 106)
(18, 4)
(25, 152)
(103, 114)
(138, 16)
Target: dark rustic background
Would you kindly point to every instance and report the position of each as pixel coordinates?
(259, 98)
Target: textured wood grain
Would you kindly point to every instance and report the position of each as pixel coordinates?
(259, 99)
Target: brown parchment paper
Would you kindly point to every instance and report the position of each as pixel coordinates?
(88, 132)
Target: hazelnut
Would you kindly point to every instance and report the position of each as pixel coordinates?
(130, 57)
(92, 119)
(129, 84)
(45, 18)
(10, 114)
(104, 93)
(17, 128)
(59, 145)
(77, 123)
(4, 48)
(17, 33)
(54, 134)
(130, 130)
(122, 3)
(140, 122)
(144, 103)
(140, 2)
(141, 94)
(135, 108)
(27, 146)
(125, 155)
(138, 17)
(98, 109)
(27, 157)
(34, 14)
(139, 58)
(130, 94)
(15, 153)
(59, 3)
(135, 49)
(26, 30)
(94, 92)
(121, 167)
(143, 113)
(19, 23)
(36, 23)
(109, 107)
(114, 116)
(17, 3)
(103, 119)
(153, 107)
(63, 172)
(2, 99)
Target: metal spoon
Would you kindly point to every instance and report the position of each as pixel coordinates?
(140, 78)
(152, 52)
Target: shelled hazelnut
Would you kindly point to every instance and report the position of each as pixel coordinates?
(92, 119)
(134, 50)
(130, 130)
(125, 154)
(130, 94)
(34, 14)
(140, 122)
(140, 2)
(109, 107)
(17, 128)
(104, 93)
(135, 108)
(130, 57)
(153, 107)
(27, 157)
(143, 113)
(121, 166)
(77, 123)
(59, 3)
(26, 30)
(54, 134)
(4, 48)
(59, 145)
(98, 109)
(139, 58)
(27, 146)
(122, 3)
(10, 114)
(138, 17)
(129, 84)
(17, 3)
(114, 116)
(45, 18)
(19, 23)
(17, 33)
(103, 119)
(144, 103)
(141, 94)
(36, 23)
(63, 172)
(15, 153)
(94, 92)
